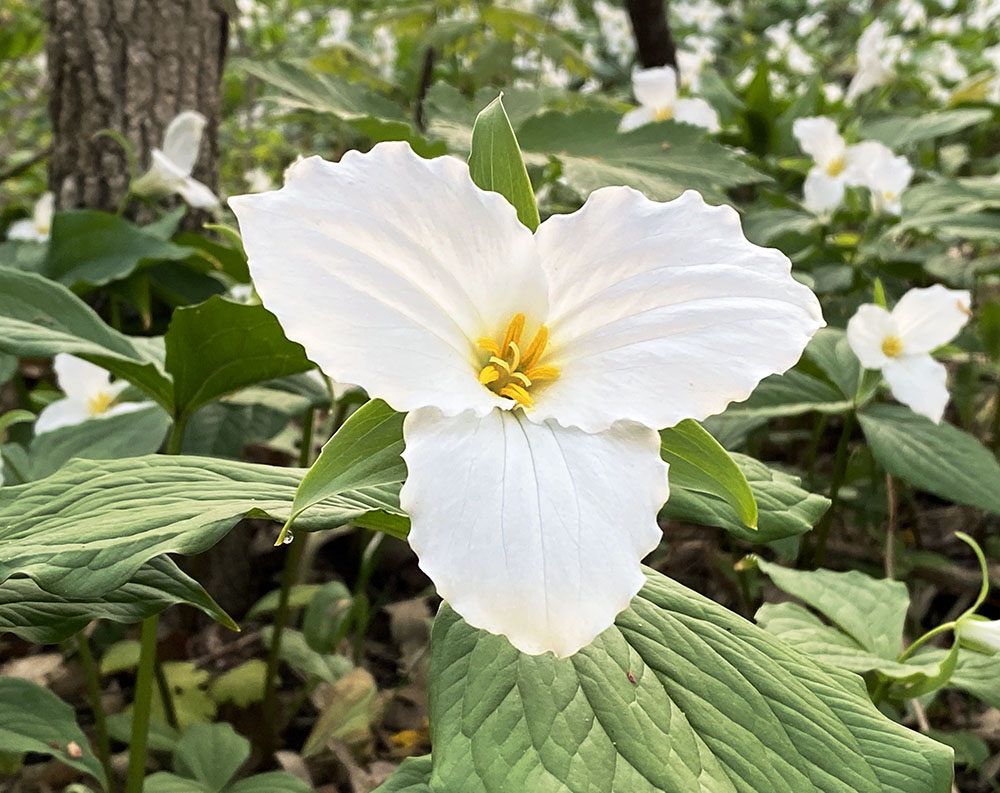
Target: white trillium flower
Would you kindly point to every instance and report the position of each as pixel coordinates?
(656, 91)
(873, 165)
(981, 633)
(877, 55)
(172, 165)
(535, 368)
(89, 394)
(37, 227)
(837, 164)
(900, 344)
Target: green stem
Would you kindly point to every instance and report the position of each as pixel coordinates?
(176, 435)
(839, 471)
(305, 449)
(909, 651)
(165, 696)
(141, 706)
(96, 706)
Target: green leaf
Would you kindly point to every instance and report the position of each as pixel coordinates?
(790, 394)
(211, 754)
(661, 160)
(296, 652)
(95, 248)
(784, 508)
(165, 782)
(38, 616)
(270, 782)
(242, 685)
(299, 596)
(412, 776)
(325, 620)
(101, 438)
(869, 610)
(898, 131)
(697, 462)
(218, 347)
(495, 162)
(938, 458)
(41, 318)
(352, 708)
(364, 454)
(679, 696)
(86, 529)
(975, 673)
(36, 720)
(830, 351)
(188, 686)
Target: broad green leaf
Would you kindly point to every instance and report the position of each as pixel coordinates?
(679, 696)
(162, 737)
(218, 347)
(976, 673)
(211, 754)
(661, 160)
(242, 685)
(299, 596)
(325, 620)
(124, 435)
(86, 529)
(451, 115)
(830, 351)
(790, 394)
(412, 776)
(784, 508)
(188, 692)
(165, 782)
(269, 782)
(697, 462)
(39, 317)
(363, 454)
(296, 652)
(36, 720)
(12, 417)
(349, 714)
(495, 162)
(370, 114)
(899, 131)
(95, 248)
(38, 616)
(870, 610)
(938, 458)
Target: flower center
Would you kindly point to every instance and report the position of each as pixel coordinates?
(511, 372)
(836, 166)
(663, 114)
(892, 346)
(99, 403)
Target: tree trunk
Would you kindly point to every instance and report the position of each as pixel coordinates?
(652, 32)
(128, 66)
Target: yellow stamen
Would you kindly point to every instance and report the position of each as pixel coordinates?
(509, 372)
(836, 166)
(543, 373)
(663, 114)
(892, 346)
(518, 394)
(536, 348)
(99, 403)
(486, 343)
(489, 375)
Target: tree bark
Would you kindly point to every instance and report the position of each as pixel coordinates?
(653, 39)
(129, 66)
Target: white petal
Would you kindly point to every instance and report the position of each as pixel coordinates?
(819, 138)
(656, 87)
(697, 112)
(44, 210)
(985, 633)
(25, 230)
(79, 377)
(928, 318)
(662, 311)
(636, 118)
(182, 140)
(197, 194)
(822, 193)
(870, 326)
(531, 530)
(862, 159)
(61, 413)
(387, 268)
(919, 382)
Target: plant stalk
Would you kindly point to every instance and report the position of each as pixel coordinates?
(141, 706)
(839, 471)
(96, 706)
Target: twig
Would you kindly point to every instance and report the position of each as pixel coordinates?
(890, 539)
(16, 170)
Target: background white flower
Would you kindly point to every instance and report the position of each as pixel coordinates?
(170, 171)
(535, 368)
(900, 342)
(37, 227)
(656, 91)
(885, 174)
(877, 55)
(89, 394)
(984, 634)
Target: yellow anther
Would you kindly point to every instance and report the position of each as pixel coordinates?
(536, 348)
(543, 373)
(836, 166)
(489, 375)
(517, 354)
(502, 364)
(663, 114)
(486, 343)
(99, 403)
(892, 346)
(518, 394)
(514, 330)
